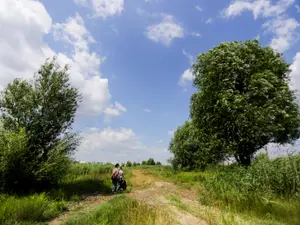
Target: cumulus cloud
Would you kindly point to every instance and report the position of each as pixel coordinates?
(116, 145)
(284, 30)
(187, 76)
(166, 31)
(115, 110)
(295, 72)
(283, 27)
(103, 8)
(24, 24)
(263, 8)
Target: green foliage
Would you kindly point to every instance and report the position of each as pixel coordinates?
(81, 181)
(134, 164)
(128, 164)
(158, 163)
(150, 162)
(43, 111)
(191, 149)
(144, 162)
(121, 211)
(244, 101)
(13, 154)
(267, 187)
(35, 208)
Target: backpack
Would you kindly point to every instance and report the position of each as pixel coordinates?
(115, 174)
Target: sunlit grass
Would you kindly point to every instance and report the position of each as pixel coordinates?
(122, 211)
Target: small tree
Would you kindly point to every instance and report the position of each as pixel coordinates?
(128, 164)
(45, 109)
(191, 148)
(151, 162)
(134, 164)
(158, 163)
(244, 100)
(144, 162)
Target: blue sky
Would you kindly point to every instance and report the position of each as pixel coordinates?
(131, 59)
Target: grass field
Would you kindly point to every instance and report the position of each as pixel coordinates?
(82, 180)
(268, 190)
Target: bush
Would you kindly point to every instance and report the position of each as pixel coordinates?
(151, 162)
(36, 208)
(128, 164)
(14, 168)
(37, 142)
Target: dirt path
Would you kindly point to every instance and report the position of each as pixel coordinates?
(158, 191)
(147, 189)
(81, 206)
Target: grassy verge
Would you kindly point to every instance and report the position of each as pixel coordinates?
(81, 181)
(268, 191)
(122, 211)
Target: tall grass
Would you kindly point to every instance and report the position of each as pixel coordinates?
(268, 189)
(122, 211)
(35, 208)
(82, 180)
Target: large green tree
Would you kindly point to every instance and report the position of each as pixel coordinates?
(45, 109)
(191, 148)
(244, 99)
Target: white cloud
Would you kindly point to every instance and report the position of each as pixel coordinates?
(284, 30)
(24, 24)
(81, 2)
(85, 67)
(189, 56)
(295, 73)
(147, 110)
(103, 8)
(283, 27)
(209, 21)
(166, 31)
(171, 133)
(186, 77)
(114, 110)
(196, 34)
(197, 7)
(263, 8)
(120, 145)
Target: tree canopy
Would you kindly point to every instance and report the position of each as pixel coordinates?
(191, 149)
(43, 110)
(243, 100)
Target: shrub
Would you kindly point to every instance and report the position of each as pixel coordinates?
(128, 164)
(151, 162)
